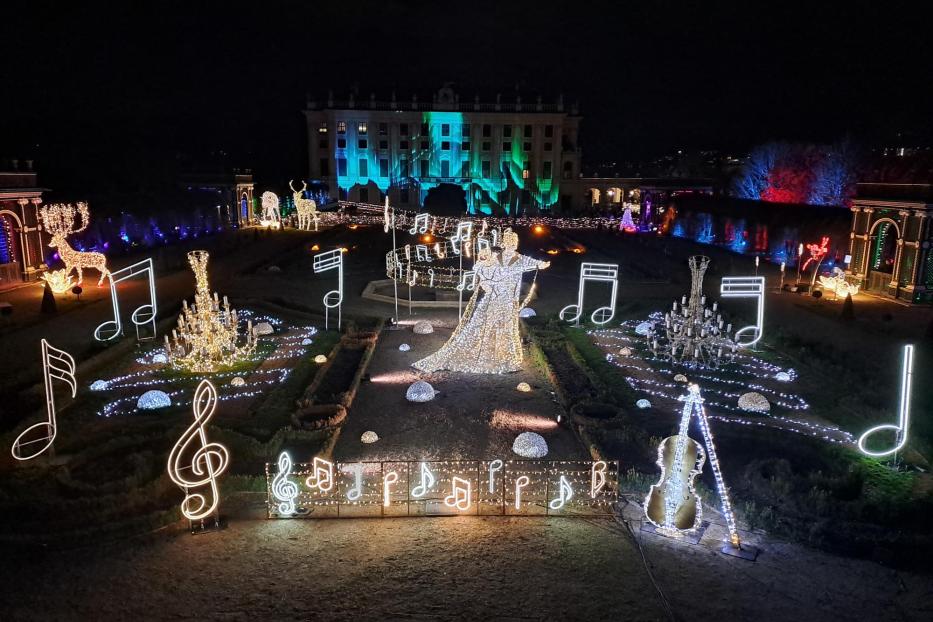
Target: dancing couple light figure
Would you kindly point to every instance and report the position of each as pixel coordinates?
(487, 339)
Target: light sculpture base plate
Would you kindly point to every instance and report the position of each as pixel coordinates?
(206, 525)
(745, 551)
(687, 538)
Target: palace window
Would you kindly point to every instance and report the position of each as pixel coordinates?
(323, 128)
(546, 171)
(424, 129)
(486, 169)
(548, 146)
(341, 143)
(487, 130)
(445, 129)
(528, 131)
(322, 143)
(362, 128)
(526, 146)
(424, 145)
(445, 146)
(403, 167)
(465, 146)
(487, 145)
(383, 129)
(342, 167)
(465, 168)
(425, 168)
(325, 167)
(341, 127)
(403, 129)
(465, 130)
(445, 168)
(506, 146)
(525, 173)
(362, 144)
(364, 167)
(383, 167)
(403, 144)
(507, 131)
(548, 131)
(383, 144)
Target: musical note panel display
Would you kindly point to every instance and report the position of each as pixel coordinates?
(440, 488)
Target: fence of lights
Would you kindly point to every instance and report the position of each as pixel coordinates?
(655, 376)
(325, 489)
(126, 389)
(207, 336)
(596, 273)
(144, 315)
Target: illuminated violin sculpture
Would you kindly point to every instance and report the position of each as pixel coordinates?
(672, 504)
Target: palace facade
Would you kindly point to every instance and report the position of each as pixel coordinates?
(22, 247)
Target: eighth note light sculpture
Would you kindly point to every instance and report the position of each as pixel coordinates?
(207, 336)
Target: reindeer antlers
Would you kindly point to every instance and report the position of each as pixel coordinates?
(59, 218)
(304, 186)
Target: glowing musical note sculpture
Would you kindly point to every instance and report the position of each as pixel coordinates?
(390, 478)
(903, 418)
(284, 490)
(565, 494)
(427, 482)
(467, 282)
(322, 475)
(421, 224)
(356, 492)
(494, 467)
(520, 483)
(331, 260)
(142, 315)
(462, 236)
(56, 365)
(600, 273)
(747, 287)
(460, 496)
(205, 463)
(421, 253)
(597, 478)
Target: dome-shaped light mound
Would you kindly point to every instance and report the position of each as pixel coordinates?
(530, 445)
(159, 358)
(423, 327)
(680, 378)
(754, 402)
(99, 385)
(151, 400)
(527, 312)
(643, 403)
(626, 351)
(420, 391)
(782, 376)
(320, 358)
(306, 341)
(404, 347)
(643, 329)
(524, 387)
(369, 437)
(237, 381)
(263, 328)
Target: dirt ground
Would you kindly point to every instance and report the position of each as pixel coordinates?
(458, 568)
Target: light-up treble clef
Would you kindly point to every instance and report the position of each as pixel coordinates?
(284, 490)
(206, 462)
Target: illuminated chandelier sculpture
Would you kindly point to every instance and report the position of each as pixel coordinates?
(206, 337)
(693, 334)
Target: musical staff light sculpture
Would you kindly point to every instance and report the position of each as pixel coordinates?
(747, 287)
(600, 273)
(903, 414)
(142, 316)
(34, 440)
(331, 260)
(196, 463)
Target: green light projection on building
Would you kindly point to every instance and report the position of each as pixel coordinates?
(438, 157)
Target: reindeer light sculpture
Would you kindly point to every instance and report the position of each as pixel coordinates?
(307, 208)
(59, 221)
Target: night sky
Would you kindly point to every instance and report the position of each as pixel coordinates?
(109, 97)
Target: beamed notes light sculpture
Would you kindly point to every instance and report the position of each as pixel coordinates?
(331, 260)
(599, 273)
(207, 336)
(34, 440)
(143, 315)
(903, 418)
(196, 463)
(59, 221)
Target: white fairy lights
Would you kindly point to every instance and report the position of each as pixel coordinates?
(271, 217)
(207, 334)
(487, 339)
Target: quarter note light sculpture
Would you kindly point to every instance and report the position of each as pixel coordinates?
(600, 273)
(903, 419)
(196, 463)
(56, 365)
(142, 316)
(59, 221)
(331, 260)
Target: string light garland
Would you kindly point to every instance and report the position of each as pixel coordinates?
(59, 221)
(207, 334)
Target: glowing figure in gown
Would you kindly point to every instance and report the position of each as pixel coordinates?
(487, 340)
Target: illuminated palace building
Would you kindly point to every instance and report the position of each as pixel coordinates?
(22, 246)
(499, 157)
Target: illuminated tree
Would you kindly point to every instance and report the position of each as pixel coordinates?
(834, 176)
(755, 176)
